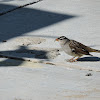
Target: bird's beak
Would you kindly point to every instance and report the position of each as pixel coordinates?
(57, 39)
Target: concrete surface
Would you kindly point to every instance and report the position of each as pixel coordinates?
(29, 33)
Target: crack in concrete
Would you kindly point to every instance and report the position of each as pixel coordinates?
(3, 13)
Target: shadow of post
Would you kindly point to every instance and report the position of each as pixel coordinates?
(25, 20)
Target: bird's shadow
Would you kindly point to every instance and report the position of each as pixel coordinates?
(91, 59)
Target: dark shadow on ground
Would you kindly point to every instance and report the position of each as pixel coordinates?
(10, 63)
(38, 54)
(22, 21)
(22, 52)
(90, 59)
(25, 20)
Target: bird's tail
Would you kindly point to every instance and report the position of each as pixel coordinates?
(93, 50)
(96, 51)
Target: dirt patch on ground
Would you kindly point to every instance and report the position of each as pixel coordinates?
(83, 94)
(76, 96)
(29, 40)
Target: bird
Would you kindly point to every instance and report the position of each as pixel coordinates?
(74, 48)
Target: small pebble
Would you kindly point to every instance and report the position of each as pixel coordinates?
(4, 41)
(88, 74)
(90, 70)
(50, 63)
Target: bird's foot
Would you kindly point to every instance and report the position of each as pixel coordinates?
(72, 60)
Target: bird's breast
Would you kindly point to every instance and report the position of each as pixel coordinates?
(67, 49)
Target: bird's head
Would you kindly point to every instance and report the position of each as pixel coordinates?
(62, 39)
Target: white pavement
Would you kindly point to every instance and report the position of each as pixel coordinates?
(29, 33)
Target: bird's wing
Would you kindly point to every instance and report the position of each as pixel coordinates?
(78, 48)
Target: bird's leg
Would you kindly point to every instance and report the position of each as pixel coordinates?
(73, 60)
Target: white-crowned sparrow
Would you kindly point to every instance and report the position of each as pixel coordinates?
(74, 48)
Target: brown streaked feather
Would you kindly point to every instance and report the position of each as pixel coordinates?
(78, 48)
(85, 47)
